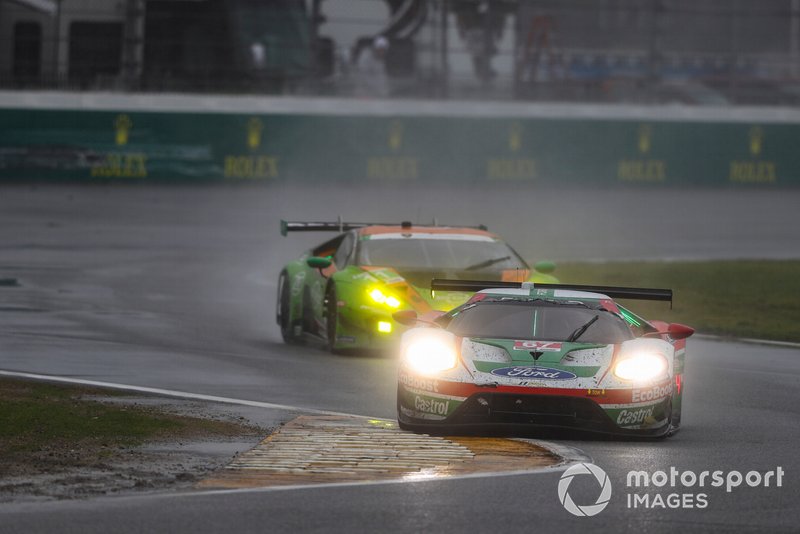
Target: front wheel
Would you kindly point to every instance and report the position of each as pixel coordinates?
(284, 312)
(332, 317)
(675, 416)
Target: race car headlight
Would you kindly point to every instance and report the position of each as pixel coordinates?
(641, 366)
(380, 297)
(428, 355)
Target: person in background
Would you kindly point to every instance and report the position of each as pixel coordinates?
(372, 79)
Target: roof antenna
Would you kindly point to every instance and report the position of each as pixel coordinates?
(435, 222)
(341, 224)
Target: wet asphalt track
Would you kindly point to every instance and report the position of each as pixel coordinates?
(174, 288)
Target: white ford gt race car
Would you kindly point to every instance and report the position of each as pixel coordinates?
(548, 355)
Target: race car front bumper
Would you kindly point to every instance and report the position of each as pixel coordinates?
(423, 410)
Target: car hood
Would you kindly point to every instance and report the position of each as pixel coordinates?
(511, 360)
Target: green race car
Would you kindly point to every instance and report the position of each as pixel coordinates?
(344, 291)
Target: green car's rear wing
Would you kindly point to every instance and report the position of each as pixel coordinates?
(341, 226)
(638, 293)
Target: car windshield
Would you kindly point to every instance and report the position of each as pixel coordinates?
(539, 320)
(439, 252)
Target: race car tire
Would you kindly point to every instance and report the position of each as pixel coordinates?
(283, 311)
(675, 419)
(332, 318)
(676, 414)
(672, 428)
(308, 322)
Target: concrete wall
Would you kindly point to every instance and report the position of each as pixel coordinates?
(101, 137)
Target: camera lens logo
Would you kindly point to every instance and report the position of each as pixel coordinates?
(589, 509)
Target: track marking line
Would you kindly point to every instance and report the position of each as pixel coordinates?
(568, 455)
(573, 456)
(328, 485)
(178, 394)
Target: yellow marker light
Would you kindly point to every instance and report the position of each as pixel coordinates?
(384, 327)
(378, 296)
(641, 367)
(429, 355)
(392, 302)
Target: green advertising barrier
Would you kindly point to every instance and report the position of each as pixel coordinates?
(131, 146)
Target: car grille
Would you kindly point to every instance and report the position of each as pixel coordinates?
(546, 410)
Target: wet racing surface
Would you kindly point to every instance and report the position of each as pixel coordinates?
(174, 288)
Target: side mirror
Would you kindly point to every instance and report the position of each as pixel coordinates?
(679, 331)
(316, 262)
(544, 267)
(405, 317)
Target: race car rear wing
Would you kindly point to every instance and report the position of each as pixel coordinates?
(341, 226)
(638, 293)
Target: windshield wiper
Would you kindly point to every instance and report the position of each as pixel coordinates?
(486, 263)
(580, 330)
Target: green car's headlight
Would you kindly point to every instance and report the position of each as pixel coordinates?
(641, 367)
(380, 297)
(430, 354)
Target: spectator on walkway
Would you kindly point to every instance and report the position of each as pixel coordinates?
(371, 77)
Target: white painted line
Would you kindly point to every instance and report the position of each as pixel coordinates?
(569, 455)
(179, 394)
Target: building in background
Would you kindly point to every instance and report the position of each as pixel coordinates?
(184, 45)
(692, 51)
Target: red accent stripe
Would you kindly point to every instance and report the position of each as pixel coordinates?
(609, 305)
(477, 297)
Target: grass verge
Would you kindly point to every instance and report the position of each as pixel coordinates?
(755, 299)
(45, 427)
